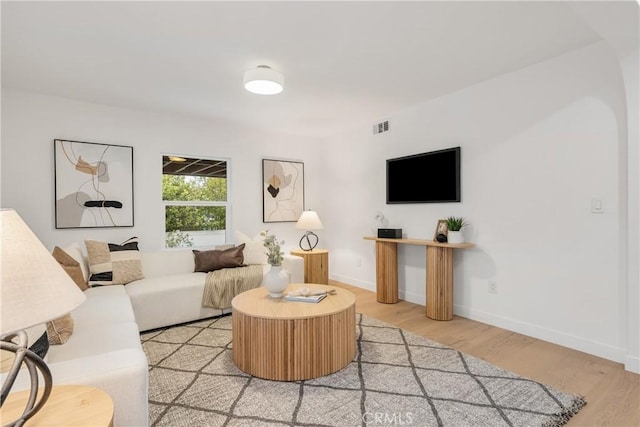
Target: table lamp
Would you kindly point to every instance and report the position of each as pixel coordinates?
(34, 289)
(309, 220)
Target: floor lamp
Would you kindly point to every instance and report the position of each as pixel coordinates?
(34, 289)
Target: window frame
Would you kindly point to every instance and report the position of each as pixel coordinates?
(197, 203)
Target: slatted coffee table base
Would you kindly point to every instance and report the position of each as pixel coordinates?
(294, 349)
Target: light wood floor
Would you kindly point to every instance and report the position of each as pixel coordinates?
(612, 394)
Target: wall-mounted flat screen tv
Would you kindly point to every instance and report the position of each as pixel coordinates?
(432, 177)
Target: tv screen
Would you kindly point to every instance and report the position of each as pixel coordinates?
(432, 177)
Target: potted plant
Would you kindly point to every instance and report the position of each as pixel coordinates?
(276, 279)
(454, 225)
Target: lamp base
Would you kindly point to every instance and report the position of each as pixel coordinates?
(305, 242)
(33, 362)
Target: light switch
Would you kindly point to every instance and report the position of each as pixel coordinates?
(597, 205)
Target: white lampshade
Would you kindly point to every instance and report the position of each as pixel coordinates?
(264, 80)
(33, 286)
(309, 220)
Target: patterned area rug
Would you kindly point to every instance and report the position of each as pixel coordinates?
(396, 378)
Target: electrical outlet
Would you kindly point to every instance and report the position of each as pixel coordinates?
(493, 287)
(359, 262)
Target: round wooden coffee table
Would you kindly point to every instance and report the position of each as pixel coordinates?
(284, 340)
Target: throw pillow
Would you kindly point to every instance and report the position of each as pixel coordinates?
(59, 330)
(71, 266)
(113, 264)
(254, 250)
(216, 260)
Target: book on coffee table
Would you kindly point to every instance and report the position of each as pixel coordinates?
(307, 298)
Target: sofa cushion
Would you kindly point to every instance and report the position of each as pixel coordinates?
(169, 300)
(254, 250)
(105, 305)
(215, 259)
(97, 339)
(113, 264)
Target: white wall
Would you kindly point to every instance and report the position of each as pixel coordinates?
(631, 71)
(30, 123)
(537, 145)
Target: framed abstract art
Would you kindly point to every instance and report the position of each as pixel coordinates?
(93, 185)
(282, 190)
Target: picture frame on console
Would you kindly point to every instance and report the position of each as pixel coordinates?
(441, 230)
(282, 190)
(93, 185)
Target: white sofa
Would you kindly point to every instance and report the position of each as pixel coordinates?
(104, 350)
(171, 292)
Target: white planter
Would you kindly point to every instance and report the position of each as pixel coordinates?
(454, 237)
(276, 281)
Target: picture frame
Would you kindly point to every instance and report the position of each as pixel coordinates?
(282, 190)
(441, 228)
(93, 185)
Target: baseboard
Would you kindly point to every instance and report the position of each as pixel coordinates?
(595, 348)
(632, 364)
(616, 354)
(419, 299)
(353, 282)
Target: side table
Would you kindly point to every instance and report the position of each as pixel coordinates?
(316, 265)
(68, 405)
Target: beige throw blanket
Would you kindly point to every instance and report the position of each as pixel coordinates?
(221, 286)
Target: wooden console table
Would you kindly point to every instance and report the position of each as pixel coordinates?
(439, 273)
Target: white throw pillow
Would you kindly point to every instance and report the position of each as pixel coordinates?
(254, 250)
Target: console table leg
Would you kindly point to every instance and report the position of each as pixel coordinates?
(439, 283)
(387, 272)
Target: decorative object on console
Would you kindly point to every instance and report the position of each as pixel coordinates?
(454, 225)
(93, 185)
(276, 280)
(440, 234)
(34, 289)
(113, 264)
(263, 80)
(390, 233)
(309, 220)
(282, 190)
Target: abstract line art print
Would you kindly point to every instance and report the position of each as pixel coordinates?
(93, 184)
(282, 190)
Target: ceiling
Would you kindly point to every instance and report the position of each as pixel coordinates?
(344, 62)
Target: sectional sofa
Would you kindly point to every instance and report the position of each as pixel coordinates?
(104, 349)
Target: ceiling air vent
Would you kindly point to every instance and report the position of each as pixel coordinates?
(381, 127)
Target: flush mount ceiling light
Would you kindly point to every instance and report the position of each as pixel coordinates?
(263, 80)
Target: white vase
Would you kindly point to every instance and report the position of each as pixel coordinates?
(454, 237)
(276, 281)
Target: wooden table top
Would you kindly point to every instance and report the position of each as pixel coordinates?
(68, 405)
(257, 303)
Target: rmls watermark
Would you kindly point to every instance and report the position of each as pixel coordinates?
(388, 418)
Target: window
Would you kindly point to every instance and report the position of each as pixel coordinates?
(194, 193)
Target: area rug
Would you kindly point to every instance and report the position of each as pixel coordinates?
(396, 378)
